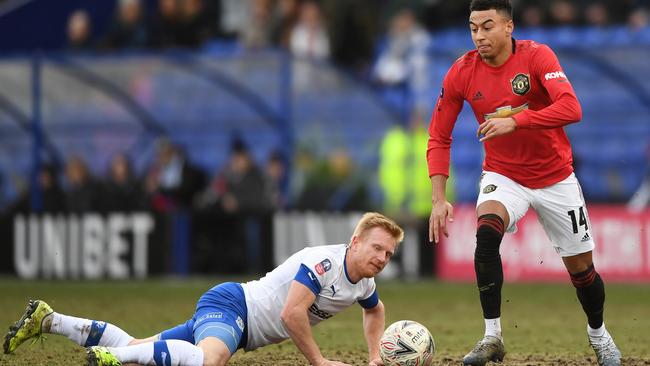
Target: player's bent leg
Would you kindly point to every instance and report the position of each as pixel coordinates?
(487, 263)
(215, 351)
(590, 290)
(493, 219)
(30, 325)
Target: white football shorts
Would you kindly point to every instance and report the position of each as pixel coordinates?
(560, 208)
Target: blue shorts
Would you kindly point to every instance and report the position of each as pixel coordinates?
(220, 313)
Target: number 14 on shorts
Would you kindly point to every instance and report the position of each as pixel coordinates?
(578, 220)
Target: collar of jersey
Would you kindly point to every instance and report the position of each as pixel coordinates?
(345, 267)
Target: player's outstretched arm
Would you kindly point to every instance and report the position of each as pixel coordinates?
(441, 209)
(295, 318)
(373, 328)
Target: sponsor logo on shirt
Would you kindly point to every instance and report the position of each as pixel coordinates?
(554, 75)
(520, 84)
(333, 290)
(489, 188)
(506, 111)
(318, 312)
(216, 315)
(323, 266)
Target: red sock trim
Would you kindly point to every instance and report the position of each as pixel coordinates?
(584, 279)
(493, 221)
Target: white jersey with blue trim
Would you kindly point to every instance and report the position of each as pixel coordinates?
(320, 268)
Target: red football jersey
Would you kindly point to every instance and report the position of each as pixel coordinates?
(530, 87)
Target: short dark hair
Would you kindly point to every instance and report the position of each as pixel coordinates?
(503, 6)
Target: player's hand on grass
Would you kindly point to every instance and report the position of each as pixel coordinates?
(440, 213)
(494, 127)
(326, 362)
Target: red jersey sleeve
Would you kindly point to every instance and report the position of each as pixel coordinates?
(449, 104)
(564, 107)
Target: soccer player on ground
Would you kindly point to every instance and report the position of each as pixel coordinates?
(312, 285)
(522, 100)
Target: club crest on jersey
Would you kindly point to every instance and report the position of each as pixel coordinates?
(240, 323)
(520, 84)
(323, 266)
(489, 188)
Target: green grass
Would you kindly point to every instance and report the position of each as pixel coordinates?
(543, 324)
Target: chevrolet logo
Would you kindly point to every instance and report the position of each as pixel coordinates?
(506, 111)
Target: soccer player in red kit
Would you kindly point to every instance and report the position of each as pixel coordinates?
(522, 100)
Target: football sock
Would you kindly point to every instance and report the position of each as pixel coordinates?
(596, 332)
(591, 293)
(87, 333)
(487, 264)
(172, 352)
(493, 327)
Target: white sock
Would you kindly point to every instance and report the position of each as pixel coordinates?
(174, 351)
(86, 332)
(596, 332)
(493, 327)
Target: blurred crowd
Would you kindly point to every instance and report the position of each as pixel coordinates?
(383, 42)
(172, 182)
(344, 31)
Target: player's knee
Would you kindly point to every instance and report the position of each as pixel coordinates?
(215, 352)
(214, 359)
(586, 278)
(488, 238)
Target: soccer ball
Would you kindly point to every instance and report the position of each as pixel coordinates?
(407, 343)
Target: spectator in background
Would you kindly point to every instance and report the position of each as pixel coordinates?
(234, 17)
(639, 18)
(79, 31)
(283, 22)
(404, 63)
(563, 13)
(276, 180)
(52, 196)
(163, 32)
(240, 187)
(122, 191)
(173, 182)
(403, 174)
(335, 185)
(533, 15)
(195, 25)
(352, 29)
(310, 45)
(304, 165)
(258, 33)
(596, 14)
(82, 191)
(128, 29)
(309, 39)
